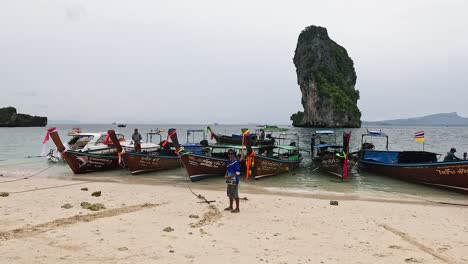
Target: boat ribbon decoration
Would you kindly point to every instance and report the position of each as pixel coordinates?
(246, 133)
(346, 138)
(211, 132)
(168, 137)
(46, 139)
(106, 141)
(249, 164)
(249, 161)
(120, 154)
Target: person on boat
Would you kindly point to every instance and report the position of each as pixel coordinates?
(262, 134)
(451, 156)
(232, 180)
(136, 137)
(270, 138)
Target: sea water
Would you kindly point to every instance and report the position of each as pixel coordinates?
(19, 148)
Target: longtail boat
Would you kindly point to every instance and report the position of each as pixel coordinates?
(331, 157)
(202, 161)
(94, 143)
(84, 162)
(413, 166)
(149, 161)
(197, 162)
(236, 139)
(271, 160)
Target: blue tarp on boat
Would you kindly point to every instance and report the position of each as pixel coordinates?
(387, 157)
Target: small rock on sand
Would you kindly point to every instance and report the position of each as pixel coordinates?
(168, 229)
(172, 251)
(96, 194)
(67, 206)
(194, 216)
(92, 207)
(84, 189)
(123, 248)
(412, 260)
(4, 194)
(333, 202)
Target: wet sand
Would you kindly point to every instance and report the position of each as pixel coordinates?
(271, 228)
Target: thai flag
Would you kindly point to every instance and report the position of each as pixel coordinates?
(419, 136)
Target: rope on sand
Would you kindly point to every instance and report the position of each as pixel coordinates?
(27, 177)
(199, 196)
(22, 163)
(50, 187)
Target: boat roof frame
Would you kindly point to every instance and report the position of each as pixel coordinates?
(374, 133)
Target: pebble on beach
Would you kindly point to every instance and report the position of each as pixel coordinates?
(96, 194)
(4, 194)
(333, 202)
(84, 189)
(193, 216)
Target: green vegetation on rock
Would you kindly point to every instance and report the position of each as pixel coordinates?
(327, 78)
(9, 118)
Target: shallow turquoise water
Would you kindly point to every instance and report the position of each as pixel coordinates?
(16, 144)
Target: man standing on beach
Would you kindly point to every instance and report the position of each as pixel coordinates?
(136, 137)
(232, 180)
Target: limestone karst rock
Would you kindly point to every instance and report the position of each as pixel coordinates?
(326, 76)
(9, 118)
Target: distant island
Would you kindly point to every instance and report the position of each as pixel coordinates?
(326, 76)
(442, 119)
(9, 118)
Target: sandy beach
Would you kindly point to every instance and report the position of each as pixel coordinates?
(167, 224)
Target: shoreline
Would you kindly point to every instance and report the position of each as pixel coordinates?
(173, 178)
(273, 228)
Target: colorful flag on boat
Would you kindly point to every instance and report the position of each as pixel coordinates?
(46, 139)
(419, 136)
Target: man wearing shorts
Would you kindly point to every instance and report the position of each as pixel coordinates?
(232, 180)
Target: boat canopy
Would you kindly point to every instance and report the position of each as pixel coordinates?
(268, 128)
(286, 147)
(374, 133)
(319, 146)
(231, 146)
(192, 132)
(325, 132)
(195, 130)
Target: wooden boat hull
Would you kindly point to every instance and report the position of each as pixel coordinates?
(82, 162)
(200, 166)
(264, 166)
(139, 163)
(448, 175)
(333, 164)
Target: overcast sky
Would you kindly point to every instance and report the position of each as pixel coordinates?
(152, 61)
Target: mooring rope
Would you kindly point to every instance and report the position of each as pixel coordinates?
(21, 163)
(27, 177)
(50, 187)
(188, 181)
